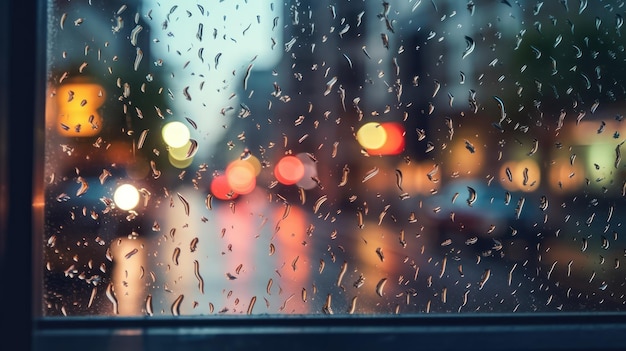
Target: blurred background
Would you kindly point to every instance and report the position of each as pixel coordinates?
(332, 157)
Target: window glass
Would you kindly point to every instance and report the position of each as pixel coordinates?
(333, 157)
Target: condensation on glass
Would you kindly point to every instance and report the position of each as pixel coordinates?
(343, 157)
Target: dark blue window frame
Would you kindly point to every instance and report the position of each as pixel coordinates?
(22, 24)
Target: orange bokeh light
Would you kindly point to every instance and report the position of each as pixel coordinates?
(289, 170)
(78, 108)
(241, 177)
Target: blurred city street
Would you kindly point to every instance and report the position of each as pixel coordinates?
(394, 157)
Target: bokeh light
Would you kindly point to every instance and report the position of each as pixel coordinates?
(241, 177)
(126, 197)
(180, 153)
(220, 188)
(289, 170)
(175, 134)
(394, 140)
(179, 163)
(79, 116)
(564, 176)
(371, 135)
(256, 164)
(310, 172)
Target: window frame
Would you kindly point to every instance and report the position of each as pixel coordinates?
(23, 71)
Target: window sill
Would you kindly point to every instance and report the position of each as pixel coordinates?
(566, 331)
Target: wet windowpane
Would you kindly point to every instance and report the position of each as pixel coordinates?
(333, 157)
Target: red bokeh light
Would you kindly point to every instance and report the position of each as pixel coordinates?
(395, 140)
(221, 190)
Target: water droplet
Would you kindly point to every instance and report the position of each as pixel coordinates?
(149, 309)
(380, 287)
(385, 40)
(525, 176)
(184, 202)
(483, 280)
(569, 268)
(331, 83)
(110, 294)
(131, 253)
(444, 263)
(194, 244)
(247, 76)
(176, 255)
(342, 272)
(175, 309)
(605, 243)
(510, 279)
(251, 305)
(535, 147)
(472, 196)
(382, 215)
(196, 270)
(352, 306)
(294, 263)
(94, 291)
(272, 249)
(84, 186)
(519, 208)
(268, 288)
(437, 87)
(469, 46)
(551, 269)
(327, 308)
(319, 202)
(543, 205)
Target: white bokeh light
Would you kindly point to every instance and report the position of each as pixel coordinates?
(175, 134)
(126, 197)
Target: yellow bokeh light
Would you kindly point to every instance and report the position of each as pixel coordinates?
(180, 153)
(256, 164)
(175, 134)
(180, 164)
(126, 197)
(371, 135)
